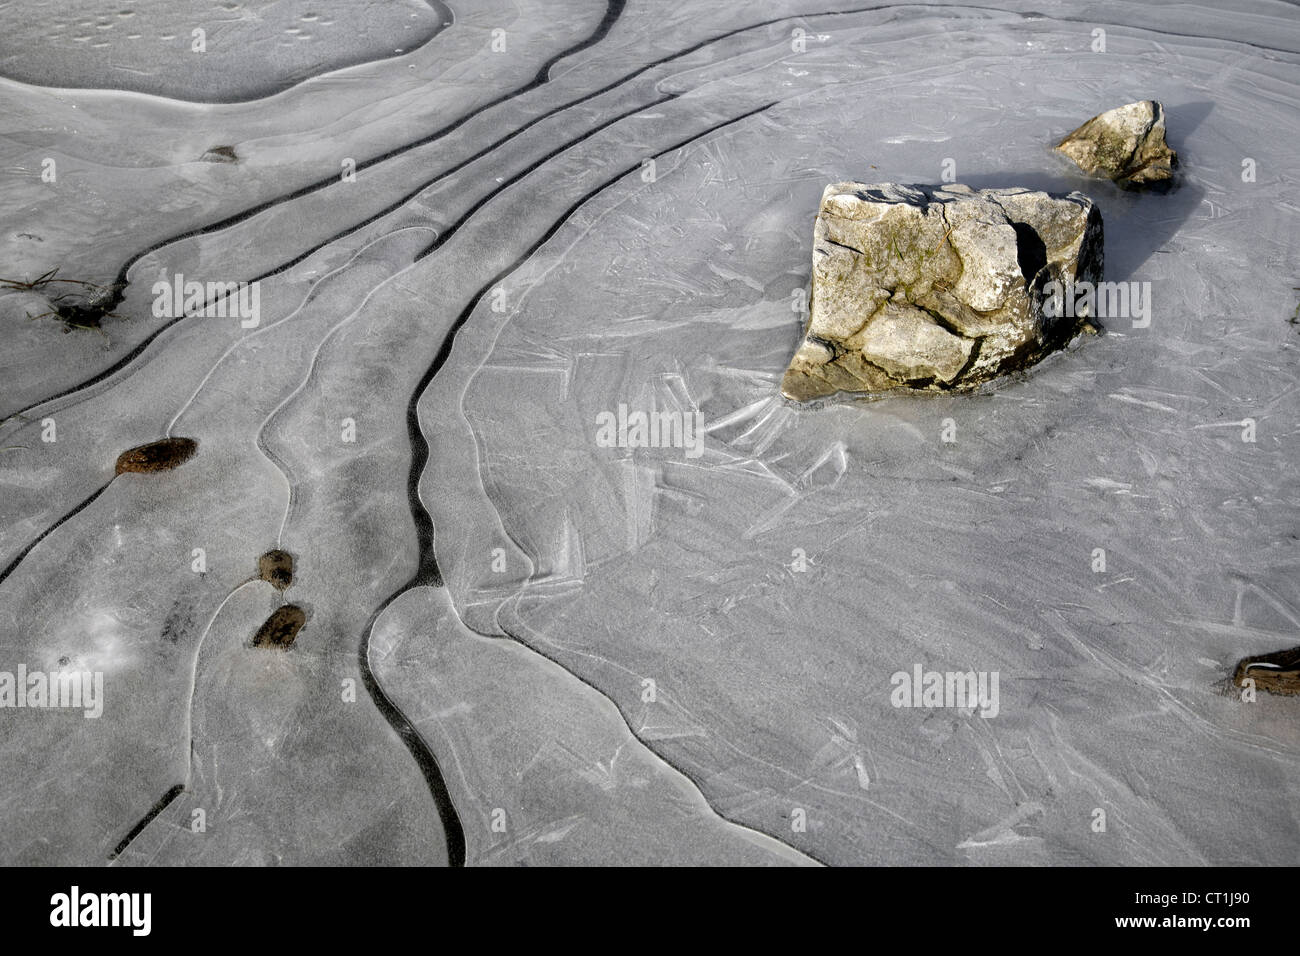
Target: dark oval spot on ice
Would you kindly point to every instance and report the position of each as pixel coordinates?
(276, 566)
(157, 455)
(281, 627)
(220, 154)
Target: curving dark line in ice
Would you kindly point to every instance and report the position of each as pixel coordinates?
(635, 736)
(428, 566)
(432, 576)
(455, 227)
(453, 829)
(536, 165)
(427, 572)
(18, 559)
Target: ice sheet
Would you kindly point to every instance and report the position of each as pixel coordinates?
(640, 655)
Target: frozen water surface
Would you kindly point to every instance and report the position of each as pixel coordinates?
(259, 47)
(522, 646)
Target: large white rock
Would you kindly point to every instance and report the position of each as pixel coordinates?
(938, 287)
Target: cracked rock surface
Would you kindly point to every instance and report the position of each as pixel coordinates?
(934, 288)
(1126, 144)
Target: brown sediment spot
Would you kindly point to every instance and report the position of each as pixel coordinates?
(157, 455)
(1277, 673)
(220, 154)
(281, 627)
(276, 566)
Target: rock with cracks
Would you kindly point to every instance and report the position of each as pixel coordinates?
(1126, 144)
(939, 288)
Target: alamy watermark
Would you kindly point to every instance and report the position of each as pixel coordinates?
(82, 690)
(75, 908)
(962, 690)
(638, 429)
(182, 297)
(1102, 300)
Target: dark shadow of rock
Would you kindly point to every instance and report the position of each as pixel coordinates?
(1138, 225)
